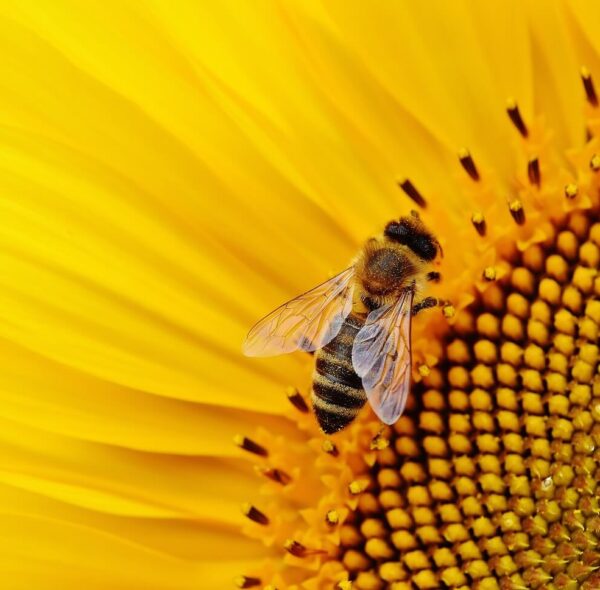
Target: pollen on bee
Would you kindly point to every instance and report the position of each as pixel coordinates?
(468, 164)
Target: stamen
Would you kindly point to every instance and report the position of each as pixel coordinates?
(588, 85)
(516, 210)
(345, 585)
(533, 171)
(448, 311)
(468, 164)
(478, 221)
(330, 448)
(489, 273)
(299, 550)
(515, 116)
(409, 188)
(379, 443)
(249, 445)
(296, 399)
(358, 486)
(571, 191)
(246, 582)
(595, 163)
(274, 474)
(424, 370)
(255, 514)
(332, 517)
(588, 134)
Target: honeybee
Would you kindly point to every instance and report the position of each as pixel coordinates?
(359, 324)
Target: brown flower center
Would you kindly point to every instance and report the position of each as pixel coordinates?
(490, 478)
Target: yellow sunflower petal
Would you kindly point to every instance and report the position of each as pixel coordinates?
(31, 556)
(186, 539)
(436, 49)
(47, 395)
(122, 481)
(557, 88)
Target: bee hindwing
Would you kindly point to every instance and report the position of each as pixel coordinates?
(381, 357)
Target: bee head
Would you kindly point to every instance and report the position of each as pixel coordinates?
(412, 233)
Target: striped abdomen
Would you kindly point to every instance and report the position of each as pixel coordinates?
(337, 394)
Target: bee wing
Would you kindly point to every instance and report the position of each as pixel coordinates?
(381, 357)
(307, 322)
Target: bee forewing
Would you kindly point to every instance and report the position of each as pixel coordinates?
(307, 322)
(381, 357)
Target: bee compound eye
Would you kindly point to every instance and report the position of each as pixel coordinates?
(424, 247)
(397, 231)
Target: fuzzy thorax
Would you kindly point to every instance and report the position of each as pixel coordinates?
(384, 269)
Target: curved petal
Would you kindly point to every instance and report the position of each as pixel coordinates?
(67, 555)
(46, 395)
(121, 481)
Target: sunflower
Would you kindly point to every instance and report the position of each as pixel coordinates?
(170, 172)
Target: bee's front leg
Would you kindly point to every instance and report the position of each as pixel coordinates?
(425, 304)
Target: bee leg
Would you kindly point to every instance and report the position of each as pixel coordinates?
(434, 276)
(424, 304)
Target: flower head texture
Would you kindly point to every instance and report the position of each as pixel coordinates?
(172, 171)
